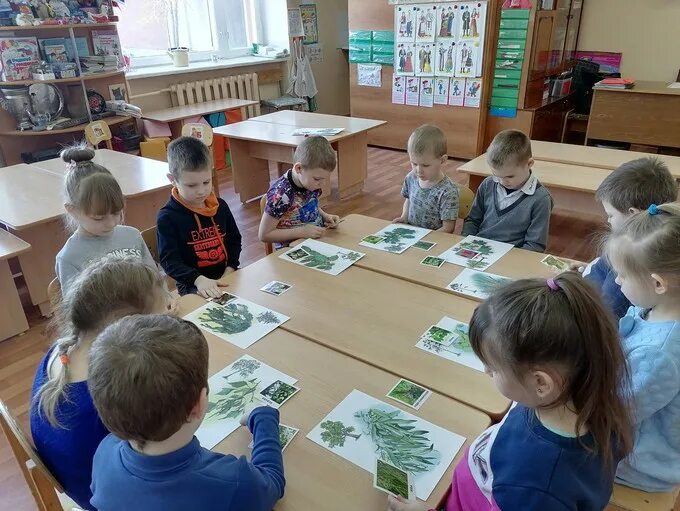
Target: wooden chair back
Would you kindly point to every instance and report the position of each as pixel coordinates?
(43, 485)
(465, 199)
(54, 292)
(97, 132)
(204, 133)
(268, 247)
(151, 241)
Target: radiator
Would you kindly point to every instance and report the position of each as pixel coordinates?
(238, 86)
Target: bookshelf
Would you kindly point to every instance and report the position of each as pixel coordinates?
(74, 90)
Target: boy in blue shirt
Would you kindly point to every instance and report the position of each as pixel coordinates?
(148, 381)
(629, 189)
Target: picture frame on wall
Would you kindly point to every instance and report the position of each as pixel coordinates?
(118, 92)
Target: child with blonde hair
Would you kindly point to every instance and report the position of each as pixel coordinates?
(430, 197)
(645, 254)
(94, 202)
(552, 348)
(65, 426)
(149, 379)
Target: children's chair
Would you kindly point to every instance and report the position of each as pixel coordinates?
(97, 132)
(465, 199)
(629, 499)
(149, 237)
(47, 492)
(268, 247)
(54, 292)
(204, 133)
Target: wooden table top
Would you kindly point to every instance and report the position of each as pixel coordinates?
(373, 317)
(314, 120)
(315, 477)
(516, 264)
(11, 246)
(29, 196)
(135, 174)
(590, 156)
(644, 87)
(208, 107)
(578, 178)
(280, 134)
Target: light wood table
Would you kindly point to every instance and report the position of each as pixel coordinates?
(260, 143)
(375, 318)
(649, 113)
(12, 317)
(174, 115)
(143, 181)
(572, 187)
(599, 157)
(516, 264)
(315, 477)
(31, 207)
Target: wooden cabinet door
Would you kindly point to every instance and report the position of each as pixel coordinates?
(558, 36)
(572, 30)
(540, 51)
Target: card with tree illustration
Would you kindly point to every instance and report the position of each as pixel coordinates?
(237, 321)
(477, 284)
(322, 256)
(232, 391)
(476, 253)
(458, 350)
(396, 238)
(362, 428)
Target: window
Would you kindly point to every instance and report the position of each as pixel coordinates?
(223, 28)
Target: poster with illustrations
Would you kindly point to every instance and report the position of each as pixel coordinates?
(309, 23)
(474, 252)
(425, 22)
(395, 238)
(447, 21)
(369, 75)
(473, 92)
(456, 91)
(454, 346)
(404, 59)
(398, 89)
(427, 91)
(446, 55)
(472, 20)
(412, 90)
(362, 428)
(425, 56)
(466, 60)
(441, 91)
(404, 23)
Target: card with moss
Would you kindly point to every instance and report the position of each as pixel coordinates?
(458, 348)
(231, 391)
(238, 321)
(362, 428)
(322, 256)
(395, 238)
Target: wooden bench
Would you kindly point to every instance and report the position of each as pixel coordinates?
(12, 318)
(629, 499)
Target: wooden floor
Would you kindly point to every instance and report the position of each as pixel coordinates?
(381, 198)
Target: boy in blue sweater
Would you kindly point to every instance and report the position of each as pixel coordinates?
(198, 240)
(629, 189)
(148, 381)
(511, 206)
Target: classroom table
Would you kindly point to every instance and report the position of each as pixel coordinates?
(572, 187)
(259, 142)
(373, 317)
(176, 114)
(599, 157)
(12, 316)
(144, 183)
(516, 264)
(315, 477)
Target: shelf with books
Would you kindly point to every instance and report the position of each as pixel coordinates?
(111, 121)
(75, 79)
(38, 28)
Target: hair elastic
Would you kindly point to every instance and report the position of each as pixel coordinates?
(653, 209)
(552, 284)
(65, 359)
(72, 165)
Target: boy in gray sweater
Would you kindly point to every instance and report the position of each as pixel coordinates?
(511, 206)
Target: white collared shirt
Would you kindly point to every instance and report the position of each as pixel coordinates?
(506, 199)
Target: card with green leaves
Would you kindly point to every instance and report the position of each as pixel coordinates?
(322, 256)
(439, 335)
(277, 393)
(476, 253)
(276, 288)
(555, 263)
(393, 480)
(477, 284)
(458, 350)
(395, 238)
(286, 435)
(435, 262)
(409, 393)
(424, 245)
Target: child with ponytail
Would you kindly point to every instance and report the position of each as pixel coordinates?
(645, 254)
(552, 348)
(65, 426)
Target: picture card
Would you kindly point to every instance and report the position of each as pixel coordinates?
(404, 23)
(447, 21)
(231, 392)
(224, 299)
(426, 92)
(398, 90)
(456, 92)
(411, 443)
(439, 335)
(433, 261)
(412, 91)
(466, 60)
(276, 288)
(555, 263)
(425, 23)
(441, 91)
(477, 284)
(476, 253)
(369, 75)
(396, 238)
(392, 480)
(473, 92)
(446, 57)
(404, 59)
(321, 256)
(424, 245)
(286, 435)
(409, 393)
(458, 351)
(277, 393)
(238, 321)
(425, 56)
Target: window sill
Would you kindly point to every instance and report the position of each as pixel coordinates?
(207, 65)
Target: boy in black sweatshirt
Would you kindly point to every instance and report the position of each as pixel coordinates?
(198, 240)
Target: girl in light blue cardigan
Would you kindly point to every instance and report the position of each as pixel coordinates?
(646, 256)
